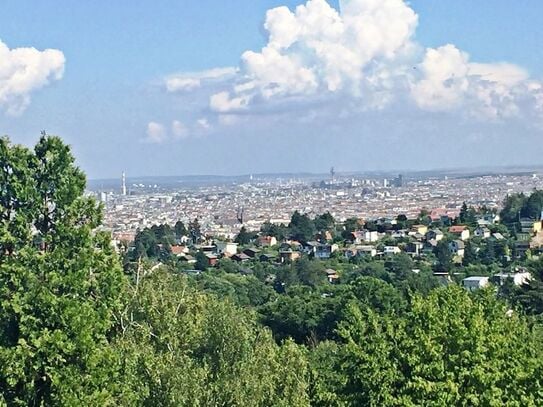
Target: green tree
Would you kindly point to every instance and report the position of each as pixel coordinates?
(400, 265)
(467, 215)
(202, 262)
(424, 217)
(185, 348)
(324, 222)
(401, 222)
(306, 315)
(512, 207)
(195, 231)
(301, 227)
(309, 272)
(277, 231)
(377, 295)
(489, 252)
(60, 282)
(470, 254)
(145, 244)
(349, 226)
(180, 229)
(443, 255)
(244, 237)
(450, 349)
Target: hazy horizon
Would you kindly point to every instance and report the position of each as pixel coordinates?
(495, 170)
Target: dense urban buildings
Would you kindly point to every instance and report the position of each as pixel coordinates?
(222, 207)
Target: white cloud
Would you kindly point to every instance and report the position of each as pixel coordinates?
(444, 84)
(317, 49)
(183, 82)
(156, 133)
(450, 81)
(364, 56)
(179, 130)
(203, 123)
(222, 102)
(24, 70)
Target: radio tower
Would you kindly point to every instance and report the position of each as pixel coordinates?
(123, 185)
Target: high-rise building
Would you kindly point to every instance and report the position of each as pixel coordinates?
(123, 185)
(398, 182)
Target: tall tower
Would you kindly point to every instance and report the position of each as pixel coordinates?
(123, 185)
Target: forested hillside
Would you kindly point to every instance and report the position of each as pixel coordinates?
(81, 324)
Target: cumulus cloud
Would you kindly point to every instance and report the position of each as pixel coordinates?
(183, 82)
(450, 81)
(179, 130)
(203, 123)
(159, 133)
(316, 49)
(223, 102)
(156, 133)
(365, 55)
(24, 70)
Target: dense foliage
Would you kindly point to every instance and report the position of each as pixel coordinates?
(77, 330)
(60, 282)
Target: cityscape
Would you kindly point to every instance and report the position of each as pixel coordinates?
(281, 203)
(223, 208)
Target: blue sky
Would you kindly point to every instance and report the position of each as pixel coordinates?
(385, 102)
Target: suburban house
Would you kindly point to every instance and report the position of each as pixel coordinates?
(370, 251)
(241, 257)
(324, 251)
(475, 283)
(332, 276)
(183, 240)
(179, 250)
(522, 245)
(457, 247)
(266, 257)
(488, 219)
(325, 236)
(360, 251)
(362, 236)
(530, 226)
(444, 215)
(460, 231)
(422, 229)
(211, 259)
(429, 246)
(482, 232)
(207, 248)
(251, 252)
(434, 234)
(517, 279)
(188, 258)
(288, 255)
(415, 248)
(391, 250)
(398, 234)
(311, 247)
(226, 248)
(266, 241)
(292, 244)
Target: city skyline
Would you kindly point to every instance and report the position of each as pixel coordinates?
(277, 86)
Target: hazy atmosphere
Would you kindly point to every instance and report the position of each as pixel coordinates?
(182, 87)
